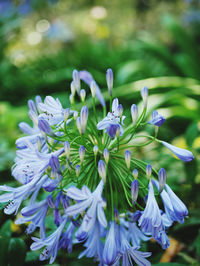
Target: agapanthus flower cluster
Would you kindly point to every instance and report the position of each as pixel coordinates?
(83, 163)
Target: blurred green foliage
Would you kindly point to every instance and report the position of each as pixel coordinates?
(152, 43)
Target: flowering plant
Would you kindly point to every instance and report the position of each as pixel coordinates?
(98, 192)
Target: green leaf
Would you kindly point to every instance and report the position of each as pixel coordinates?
(16, 252)
(191, 134)
(197, 242)
(5, 234)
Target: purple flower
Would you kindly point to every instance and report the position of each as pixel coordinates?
(157, 120)
(36, 214)
(151, 221)
(112, 121)
(50, 242)
(87, 200)
(44, 126)
(110, 248)
(67, 238)
(182, 154)
(135, 235)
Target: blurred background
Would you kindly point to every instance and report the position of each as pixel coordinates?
(146, 42)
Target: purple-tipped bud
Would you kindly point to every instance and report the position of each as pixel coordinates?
(134, 113)
(71, 99)
(120, 110)
(82, 95)
(54, 163)
(33, 117)
(67, 149)
(157, 120)
(84, 118)
(78, 124)
(93, 88)
(162, 178)
(76, 79)
(73, 89)
(102, 170)
(82, 153)
(77, 170)
(144, 94)
(106, 155)
(109, 79)
(127, 156)
(31, 106)
(134, 190)
(44, 125)
(148, 170)
(95, 150)
(182, 154)
(135, 173)
(66, 114)
(118, 132)
(75, 115)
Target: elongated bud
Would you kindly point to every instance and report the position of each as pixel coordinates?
(106, 155)
(82, 153)
(44, 126)
(67, 149)
(102, 170)
(38, 100)
(71, 99)
(73, 89)
(134, 190)
(95, 149)
(82, 95)
(31, 106)
(77, 170)
(144, 94)
(75, 115)
(66, 114)
(76, 79)
(120, 110)
(135, 173)
(78, 124)
(118, 132)
(127, 156)
(162, 178)
(54, 163)
(148, 171)
(109, 79)
(134, 113)
(93, 88)
(84, 118)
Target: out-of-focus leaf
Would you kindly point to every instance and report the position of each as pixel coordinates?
(32, 255)
(16, 252)
(5, 234)
(191, 134)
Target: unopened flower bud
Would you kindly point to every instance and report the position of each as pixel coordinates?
(162, 178)
(71, 99)
(76, 79)
(77, 170)
(109, 79)
(31, 106)
(38, 100)
(44, 126)
(73, 89)
(78, 124)
(95, 149)
(84, 118)
(118, 132)
(54, 163)
(82, 95)
(67, 149)
(144, 94)
(134, 113)
(75, 115)
(127, 156)
(120, 110)
(102, 170)
(82, 153)
(93, 88)
(33, 116)
(135, 173)
(134, 190)
(66, 114)
(148, 171)
(106, 155)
